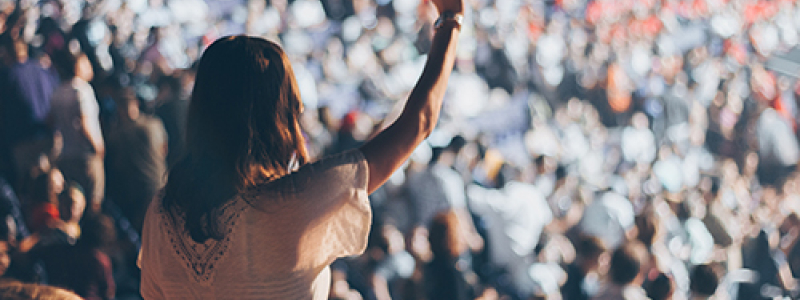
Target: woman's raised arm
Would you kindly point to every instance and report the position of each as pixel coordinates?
(389, 149)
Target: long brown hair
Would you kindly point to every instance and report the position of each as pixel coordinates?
(242, 130)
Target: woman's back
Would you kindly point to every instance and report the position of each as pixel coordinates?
(278, 238)
(235, 221)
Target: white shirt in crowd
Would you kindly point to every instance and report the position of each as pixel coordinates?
(515, 217)
(279, 239)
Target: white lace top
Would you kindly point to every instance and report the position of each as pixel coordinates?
(279, 238)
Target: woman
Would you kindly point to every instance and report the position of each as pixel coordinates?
(243, 216)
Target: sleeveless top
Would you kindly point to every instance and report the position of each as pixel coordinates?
(279, 238)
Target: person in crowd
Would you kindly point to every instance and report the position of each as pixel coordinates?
(28, 83)
(71, 207)
(136, 161)
(74, 114)
(395, 266)
(778, 152)
(516, 214)
(245, 182)
(436, 188)
(51, 230)
(43, 213)
(638, 143)
(57, 219)
(439, 188)
(11, 207)
(661, 288)
(83, 266)
(625, 274)
(705, 280)
(170, 107)
(589, 257)
(609, 217)
(449, 273)
(694, 232)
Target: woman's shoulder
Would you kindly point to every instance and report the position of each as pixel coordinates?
(352, 157)
(328, 177)
(342, 168)
(333, 168)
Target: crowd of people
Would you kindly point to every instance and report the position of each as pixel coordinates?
(600, 149)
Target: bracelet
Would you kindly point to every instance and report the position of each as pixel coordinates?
(447, 17)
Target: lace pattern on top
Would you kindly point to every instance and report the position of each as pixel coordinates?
(201, 259)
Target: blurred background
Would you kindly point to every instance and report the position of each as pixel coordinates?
(588, 149)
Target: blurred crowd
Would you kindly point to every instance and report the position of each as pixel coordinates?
(588, 149)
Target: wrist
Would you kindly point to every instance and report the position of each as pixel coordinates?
(449, 19)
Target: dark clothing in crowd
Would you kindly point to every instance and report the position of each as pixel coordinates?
(72, 266)
(446, 281)
(25, 92)
(573, 287)
(27, 88)
(173, 115)
(137, 166)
